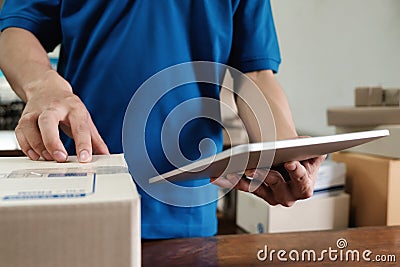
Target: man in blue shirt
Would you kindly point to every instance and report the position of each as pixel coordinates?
(109, 48)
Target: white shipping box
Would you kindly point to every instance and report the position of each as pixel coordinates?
(68, 214)
(331, 175)
(321, 212)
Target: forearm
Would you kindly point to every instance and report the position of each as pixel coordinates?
(23, 60)
(277, 102)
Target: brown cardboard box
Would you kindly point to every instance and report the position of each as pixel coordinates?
(385, 147)
(368, 96)
(391, 97)
(374, 185)
(363, 116)
(68, 214)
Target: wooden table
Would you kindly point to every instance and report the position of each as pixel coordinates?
(11, 153)
(242, 250)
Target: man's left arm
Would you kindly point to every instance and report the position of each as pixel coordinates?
(278, 104)
(273, 187)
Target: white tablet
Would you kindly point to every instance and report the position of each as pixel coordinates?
(267, 155)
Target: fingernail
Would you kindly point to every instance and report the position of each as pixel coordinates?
(250, 173)
(84, 156)
(291, 166)
(32, 155)
(257, 174)
(59, 156)
(46, 155)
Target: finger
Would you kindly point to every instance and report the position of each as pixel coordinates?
(229, 181)
(256, 186)
(280, 188)
(296, 171)
(301, 183)
(263, 191)
(28, 132)
(24, 145)
(318, 160)
(48, 122)
(34, 139)
(98, 144)
(277, 189)
(257, 178)
(81, 134)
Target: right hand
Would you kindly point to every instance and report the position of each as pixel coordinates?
(50, 104)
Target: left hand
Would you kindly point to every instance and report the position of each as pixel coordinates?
(272, 187)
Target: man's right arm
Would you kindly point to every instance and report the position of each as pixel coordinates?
(50, 102)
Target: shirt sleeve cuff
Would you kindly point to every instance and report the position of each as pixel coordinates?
(259, 64)
(29, 25)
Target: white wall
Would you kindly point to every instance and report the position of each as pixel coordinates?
(330, 46)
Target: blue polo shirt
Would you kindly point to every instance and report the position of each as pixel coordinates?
(111, 47)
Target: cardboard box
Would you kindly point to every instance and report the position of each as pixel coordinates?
(368, 96)
(363, 116)
(385, 147)
(320, 212)
(391, 97)
(68, 214)
(374, 185)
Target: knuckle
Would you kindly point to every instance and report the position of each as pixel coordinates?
(25, 119)
(260, 173)
(74, 102)
(306, 194)
(37, 145)
(287, 203)
(54, 104)
(20, 137)
(81, 128)
(75, 109)
(46, 115)
(256, 188)
(81, 115)
(283, 201)
(290, 204)
(71, 102)
(52, 144)
(24, 147)
(273, 203)
(273, 173)
(18, 131)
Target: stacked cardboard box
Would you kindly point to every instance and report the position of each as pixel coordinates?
(373, 169)
(374, 185)
(375, 108)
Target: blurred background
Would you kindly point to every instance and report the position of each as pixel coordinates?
(328, 47)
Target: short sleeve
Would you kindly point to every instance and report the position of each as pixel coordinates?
(41, 17)
(255, 45)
